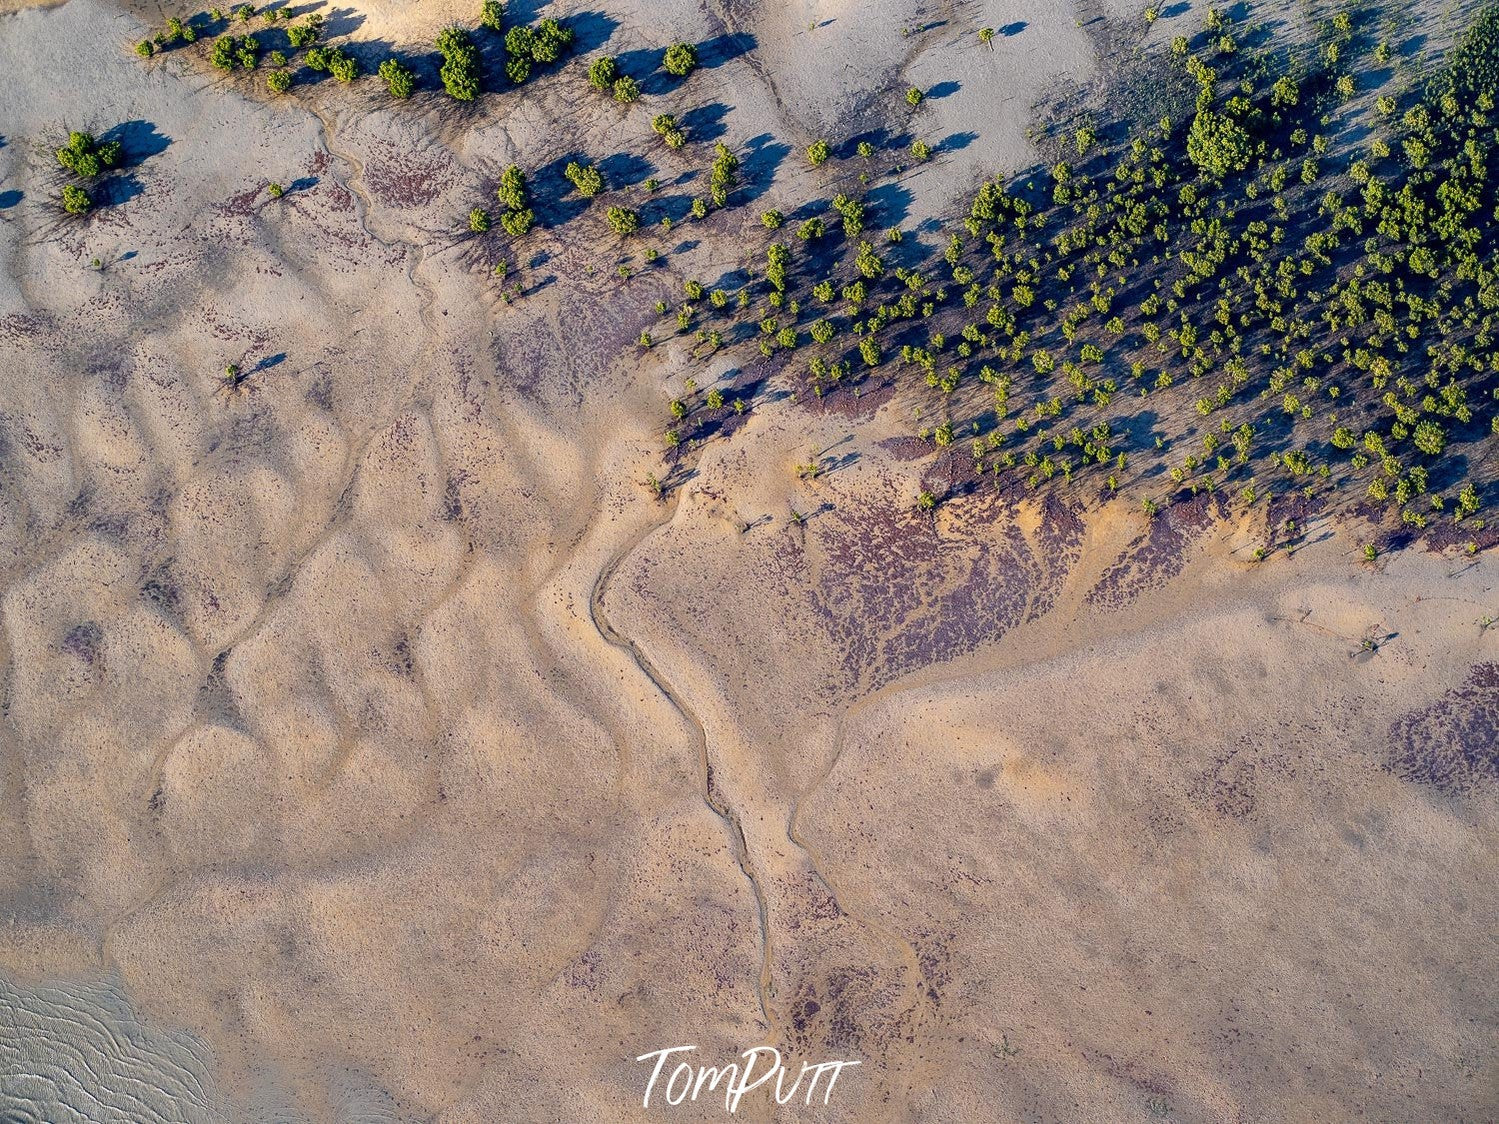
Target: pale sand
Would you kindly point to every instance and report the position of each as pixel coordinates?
(358, 724)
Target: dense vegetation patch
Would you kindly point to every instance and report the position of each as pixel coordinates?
(1290, 288)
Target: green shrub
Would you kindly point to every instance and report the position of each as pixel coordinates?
(492, 14)
(603, 72)
(399, 78)
(623, 221)
(461, 75)
(586, 178)
(818, 152)
(75, 200)
(626, 90)
(680, 59)
(278, 81)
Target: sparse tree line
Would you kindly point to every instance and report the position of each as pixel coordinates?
(278, 37)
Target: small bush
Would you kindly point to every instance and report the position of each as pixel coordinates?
(75, 200)
(680, 60)
(623, 221)
(586, 178)
(399, 78)
(603, 72)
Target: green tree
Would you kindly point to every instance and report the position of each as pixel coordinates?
(818, 152)
(492, 14)
(603, 72)
(588, 180)
(461, 70)
(399, 78)
(278, 81)
(626, 90)
(680, 59)
(478, 220)
(1218, 144)
(75, 201)
(623, 221)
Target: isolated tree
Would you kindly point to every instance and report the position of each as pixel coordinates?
(587, 179)
(478, 220)
(680, 59)
(818, 152)
(345, 68)
(278, 81)
(914, 97)
(986, 37)
(603, 72)
(517, 222)
(623, 221)
(626, 90)
(492, 14)
(512, 190)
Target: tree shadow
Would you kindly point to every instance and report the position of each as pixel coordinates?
(943, 90)
(553, 196)
(139, 141)
(954, 142)
(625, 169)
(9, 199)
(1011, 29)
(706, 123)
(891, 203)
(591, 30)
(720, 49)
(342, 21)
(762, 157)
(117, 189)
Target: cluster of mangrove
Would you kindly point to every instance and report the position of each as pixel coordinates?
(1286, 283)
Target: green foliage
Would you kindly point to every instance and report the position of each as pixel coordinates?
(478, 220)
(399, 78)
(914, 97)
(85, 157)
(542, 45)
(724, 174)
(145, 48)
(680, 59)
(517, 223)
(278, 81)
(345, 68)
(75, 201)
(772, 220)
(492, 14)
(626, 90)
(512, 191)
(587, 179)
(623, 221)
(603, 72)
(461, 71)
(1218, 144)
(818, 152)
